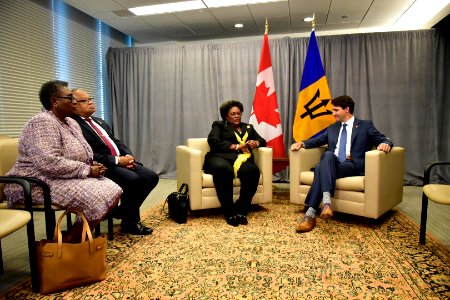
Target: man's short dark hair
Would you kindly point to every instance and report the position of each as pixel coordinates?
(50, 90)
(226, 106)
(344, 102)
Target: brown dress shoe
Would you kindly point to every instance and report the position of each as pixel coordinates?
(306, 224)
(327, 212)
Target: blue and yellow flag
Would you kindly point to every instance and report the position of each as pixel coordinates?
(313, 113)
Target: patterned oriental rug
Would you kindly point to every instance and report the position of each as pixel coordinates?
(343, 258)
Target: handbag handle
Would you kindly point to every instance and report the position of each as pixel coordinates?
(86, 230)
(184, 186)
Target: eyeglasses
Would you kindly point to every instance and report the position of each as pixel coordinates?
(69, 97)
(237, 114)
(85, 100)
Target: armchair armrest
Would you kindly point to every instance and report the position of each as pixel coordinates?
(189, 171)
(26, 182)
(301, 161)
(26, 186)
(383, 180)
(429, 167)
(263, 159)
(309, 158)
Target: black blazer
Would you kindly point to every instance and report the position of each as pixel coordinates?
(364, 137)
(102, 154)
(222, 136)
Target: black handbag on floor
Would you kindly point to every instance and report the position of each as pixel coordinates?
(178, 203)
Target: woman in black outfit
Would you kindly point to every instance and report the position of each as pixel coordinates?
(231, 143)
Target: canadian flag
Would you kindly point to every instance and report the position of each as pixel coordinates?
(265, 116)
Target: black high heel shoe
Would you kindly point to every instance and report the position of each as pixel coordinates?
(242, 219)
(233, 221)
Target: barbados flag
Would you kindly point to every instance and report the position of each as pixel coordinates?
(313, 113)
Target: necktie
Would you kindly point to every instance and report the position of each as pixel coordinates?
(342, 143)
(104, 138)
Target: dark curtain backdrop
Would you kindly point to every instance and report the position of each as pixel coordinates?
(163, 95)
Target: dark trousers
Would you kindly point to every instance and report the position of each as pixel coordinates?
(223, 175)
(325, 174)
(136, 185)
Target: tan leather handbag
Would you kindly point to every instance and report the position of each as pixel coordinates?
(64, 265)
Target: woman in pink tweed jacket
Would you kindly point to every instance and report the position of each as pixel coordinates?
(52, 148)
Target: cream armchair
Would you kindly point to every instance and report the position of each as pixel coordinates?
(369, 196)
(202, 194)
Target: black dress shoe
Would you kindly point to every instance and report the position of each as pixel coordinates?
(242, 219)
(233, 221)
(135, 228)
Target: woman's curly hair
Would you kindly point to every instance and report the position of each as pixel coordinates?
(226, 106)
(49, 90)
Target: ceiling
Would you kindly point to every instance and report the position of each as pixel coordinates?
(284, 18)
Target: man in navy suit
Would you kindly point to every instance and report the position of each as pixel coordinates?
(136, 180)
(348, 140)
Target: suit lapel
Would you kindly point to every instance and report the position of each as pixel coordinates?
(229, 129)
(335, 134)
(245, 129)
(100, 123)
(91, 130)
(355, 130)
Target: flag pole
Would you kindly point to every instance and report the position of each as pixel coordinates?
(313, 22)
(267, 28)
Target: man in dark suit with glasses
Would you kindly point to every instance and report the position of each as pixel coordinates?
(136, 180)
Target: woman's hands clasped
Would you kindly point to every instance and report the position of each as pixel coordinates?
(98, 170)
(252, 144)
(242, 147)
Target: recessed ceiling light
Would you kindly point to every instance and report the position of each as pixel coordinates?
(222, 3)
(167, 8)
(238, 25)
(308, 19)
(191, 5)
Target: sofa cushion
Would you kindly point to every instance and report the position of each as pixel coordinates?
(207, 181)
(353, 183)
(306, 177)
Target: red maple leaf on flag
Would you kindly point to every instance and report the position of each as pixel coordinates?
(265, 116)
(264, 106)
